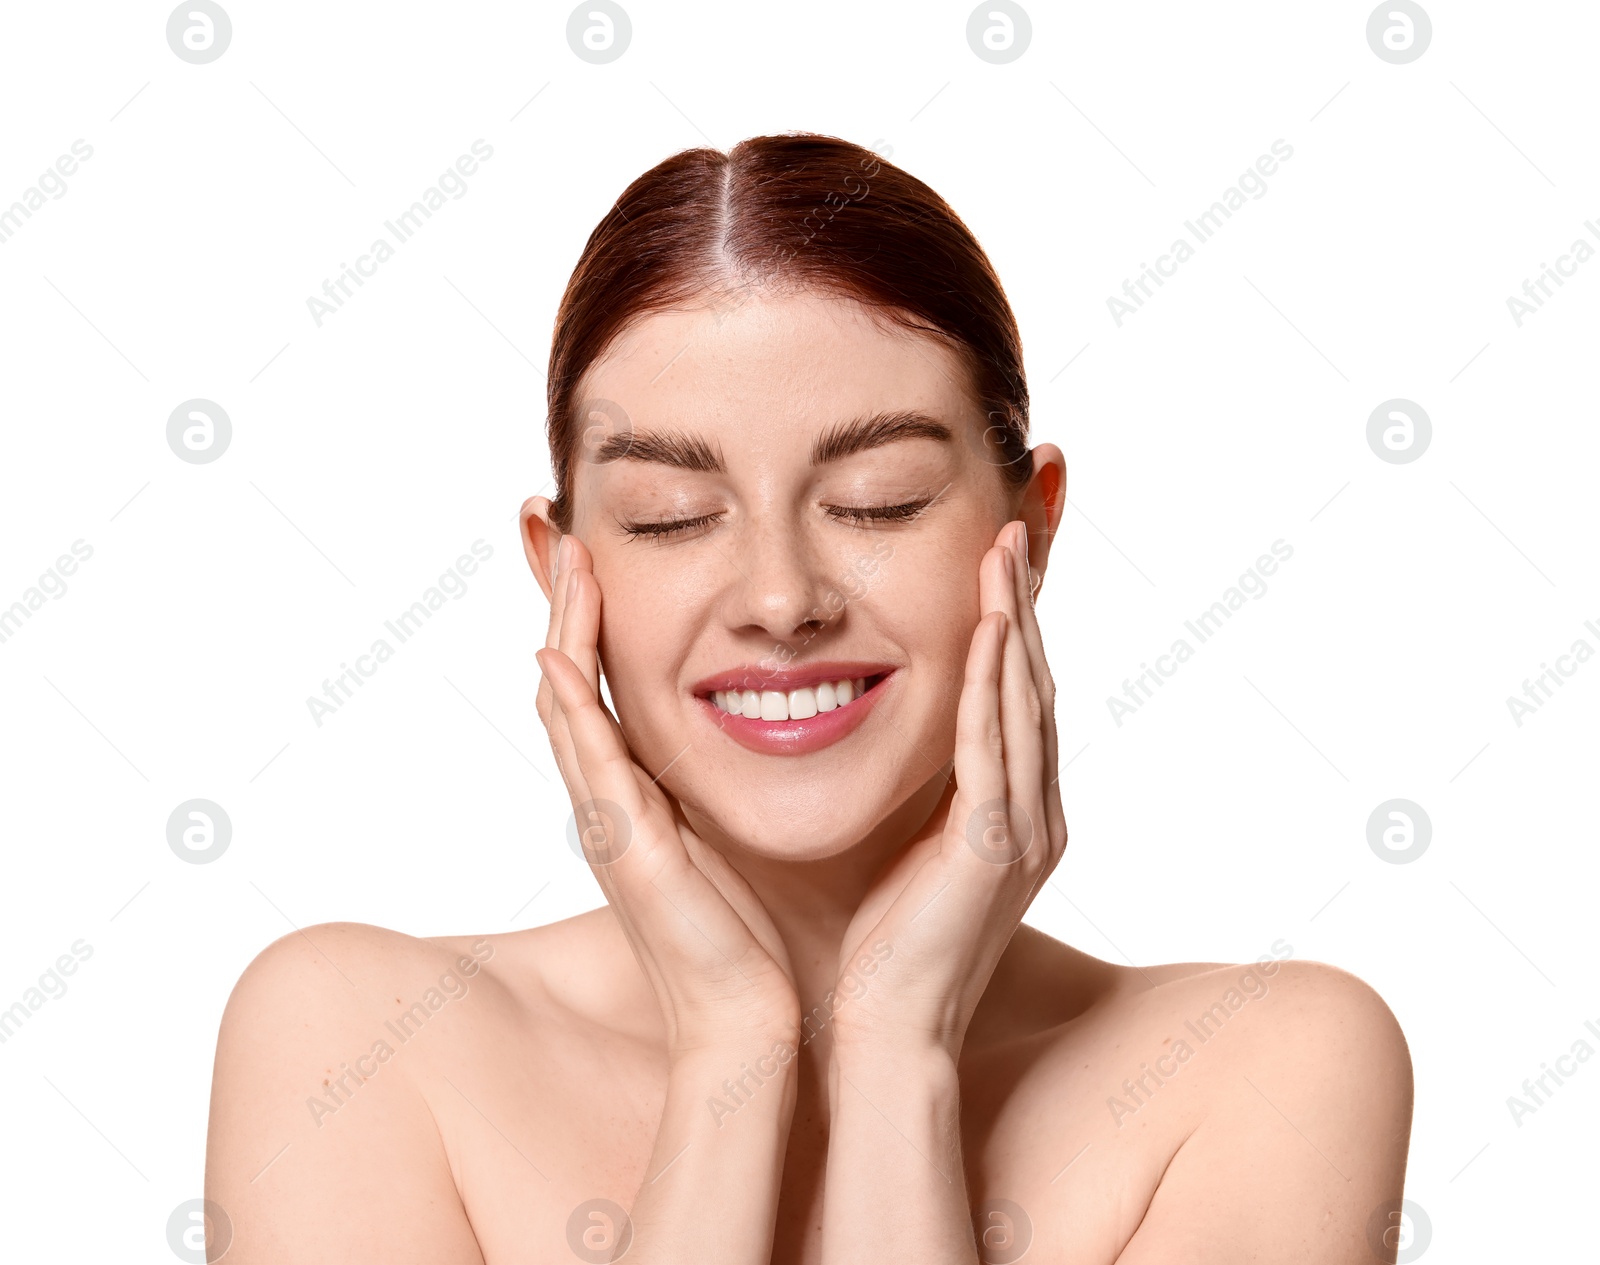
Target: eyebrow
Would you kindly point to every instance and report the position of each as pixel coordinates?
(685, 451)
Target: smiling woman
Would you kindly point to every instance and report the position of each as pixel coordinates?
(799, 528)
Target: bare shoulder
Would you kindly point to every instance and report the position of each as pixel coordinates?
(316, 1103)
(1307, 1012)
(1296, 1089)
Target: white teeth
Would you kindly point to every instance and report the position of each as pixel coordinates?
(801, 704)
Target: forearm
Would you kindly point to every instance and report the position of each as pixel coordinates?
(710, 1195)
(895, 1184)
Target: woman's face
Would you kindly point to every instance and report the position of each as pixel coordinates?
(825, 534)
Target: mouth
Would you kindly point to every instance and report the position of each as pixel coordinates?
(794, 712)
(800, 703)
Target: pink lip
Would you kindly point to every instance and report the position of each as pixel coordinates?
(796, 737)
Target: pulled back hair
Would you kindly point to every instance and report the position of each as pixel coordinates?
(803, 211)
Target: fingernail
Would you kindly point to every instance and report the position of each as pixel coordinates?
(561, 554)
(1011, 564)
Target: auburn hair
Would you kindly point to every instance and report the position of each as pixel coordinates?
(803, 211)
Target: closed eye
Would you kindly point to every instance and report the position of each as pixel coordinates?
(859, 514)
(880, 513)
(666, 527)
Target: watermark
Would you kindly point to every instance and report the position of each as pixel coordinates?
(1399, 31)
(856, 187)
(1202, 228)
(599, 1230)
(199, 1231)
(599, 31)
(1003, 1231)
(739, 1091)
(339, 1090)
(199, 831)
(199, 431)
(1399, 431)
(999, 31)
(1251, 586)
(1138, 1091)
(52, 184)
(1535, 292)
(52, 984)
(50, 586)
(605, 432)
(1537, 1092)
(199, 31)
(607, 831)
(1398, 1230)
(402, 228)
(1399, 831)
(1539, 691)
(451, 585)
(852, 984)
(1000, 831)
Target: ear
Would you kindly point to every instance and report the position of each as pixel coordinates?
(1043, 502)
(540, 537)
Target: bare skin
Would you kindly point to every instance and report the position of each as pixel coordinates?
(807, 1026)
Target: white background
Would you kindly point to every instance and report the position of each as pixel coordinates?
(367, 454)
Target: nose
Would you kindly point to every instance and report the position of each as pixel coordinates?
(781, 585)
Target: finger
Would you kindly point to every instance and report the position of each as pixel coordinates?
(568, 760)
(580, 618)
(552, 713)
(1044, 683)
(545, 700)
(1033, 637)
(1020, 716)
(980, 750)
(597, 745)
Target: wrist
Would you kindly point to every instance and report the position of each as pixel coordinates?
(748, 1078)
(865, 1044)
(744, 1036)
(916, 1055)
(904, 1084)
(766, 1057)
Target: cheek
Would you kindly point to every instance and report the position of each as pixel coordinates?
(634, 634)
(651, 615)
(930, 609)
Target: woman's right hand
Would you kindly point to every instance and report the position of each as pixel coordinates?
(706, 944)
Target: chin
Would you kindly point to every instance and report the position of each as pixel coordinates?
(803, 823)
(814, 816)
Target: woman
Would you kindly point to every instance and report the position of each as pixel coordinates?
(799, 525)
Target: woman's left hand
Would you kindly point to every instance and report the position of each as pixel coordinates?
(921, 949)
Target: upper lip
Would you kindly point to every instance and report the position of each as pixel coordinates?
(792, 677)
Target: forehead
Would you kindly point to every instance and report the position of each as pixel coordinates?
(798, 361)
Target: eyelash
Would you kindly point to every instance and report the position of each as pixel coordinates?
(867, 513)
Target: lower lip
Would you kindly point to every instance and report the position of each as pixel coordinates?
(797, 737)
